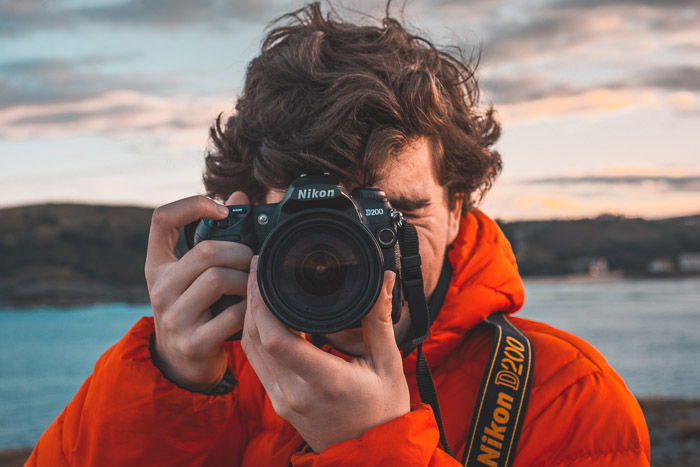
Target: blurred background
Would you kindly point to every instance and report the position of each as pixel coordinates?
(105, 107)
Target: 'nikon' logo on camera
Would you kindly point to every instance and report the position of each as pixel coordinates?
(313, 193)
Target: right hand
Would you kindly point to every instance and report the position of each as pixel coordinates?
(189, 341)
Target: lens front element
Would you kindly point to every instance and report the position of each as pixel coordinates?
(320, 272)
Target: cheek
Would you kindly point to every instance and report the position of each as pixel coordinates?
(432, 250)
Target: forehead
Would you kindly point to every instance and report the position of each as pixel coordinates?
(411, 173)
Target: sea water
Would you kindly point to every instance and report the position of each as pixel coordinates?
(649, 330)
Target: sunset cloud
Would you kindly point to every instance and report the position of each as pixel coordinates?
(679, 183)
(27, 16)
(176, 120)
(590, 198)
(46, 80)
(594, 102)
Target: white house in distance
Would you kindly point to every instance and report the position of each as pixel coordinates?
(661, 266)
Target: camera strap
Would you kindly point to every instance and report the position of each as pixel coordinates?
(505, 386)
(412, 285)
(502, 401)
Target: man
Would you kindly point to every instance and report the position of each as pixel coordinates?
(376, 106)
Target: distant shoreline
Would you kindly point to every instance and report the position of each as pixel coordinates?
(71, 294)
(674, 428)
(85, 294)
(612, 277)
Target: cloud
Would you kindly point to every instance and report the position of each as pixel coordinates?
(524, 96)
(508, 89)
(40, 81)
(532, 96)
(174, 13)
(665, 4)
(557, 28)
(593, 102)
(26, 16)
(170, 121)
(591, 57)
(671, 182)
(685, 103)
(674, 78)
(637, 195)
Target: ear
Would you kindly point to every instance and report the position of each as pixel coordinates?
(454, 217)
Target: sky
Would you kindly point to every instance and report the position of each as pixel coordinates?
(110, 101)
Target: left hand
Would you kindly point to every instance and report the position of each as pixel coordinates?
(327, 399)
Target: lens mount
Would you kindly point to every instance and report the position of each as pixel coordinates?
(320, 271)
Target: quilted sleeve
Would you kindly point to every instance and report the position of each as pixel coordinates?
(128, 413)
(410, 440)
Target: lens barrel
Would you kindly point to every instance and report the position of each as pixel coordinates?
(319, 271)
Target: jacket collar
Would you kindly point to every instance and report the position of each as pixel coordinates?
(484, 280)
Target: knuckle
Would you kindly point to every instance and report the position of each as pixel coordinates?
(189, 347)
(280, 407)
(150, 275)
(245, 343)
(243, 252)
(272, 342)
(215, 278)
(202, 202)
(333, 387)
(206, 250)
(167, 324)
(249, 339)
(158, 297)
(252, 334)
(160, 216)
(297, 401)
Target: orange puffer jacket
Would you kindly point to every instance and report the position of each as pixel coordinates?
(580, 411)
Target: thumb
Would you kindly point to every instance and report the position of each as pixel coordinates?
(237, 197)
(378, 329)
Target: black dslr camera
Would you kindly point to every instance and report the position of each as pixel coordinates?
(322, 251)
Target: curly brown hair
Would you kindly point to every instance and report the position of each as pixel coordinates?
(329, 95)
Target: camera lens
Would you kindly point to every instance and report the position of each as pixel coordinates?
(320, 272)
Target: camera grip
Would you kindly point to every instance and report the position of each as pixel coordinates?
(221, 304)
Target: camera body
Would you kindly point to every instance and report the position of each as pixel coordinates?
(323, 251)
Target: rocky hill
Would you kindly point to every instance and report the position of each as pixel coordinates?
(68, 253)
(632, 246)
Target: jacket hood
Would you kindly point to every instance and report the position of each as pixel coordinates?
(484, 280)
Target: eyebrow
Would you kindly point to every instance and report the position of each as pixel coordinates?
(403, 203)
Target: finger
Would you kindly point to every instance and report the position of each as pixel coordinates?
(237, 197)
(224, 325)
(378, 329)
(274, 377)
(250, 343)
(192, 306)
(166, 223)
(285, 351)
(204, 255)
(267, 378)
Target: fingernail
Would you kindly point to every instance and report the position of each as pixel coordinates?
(222, 209)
